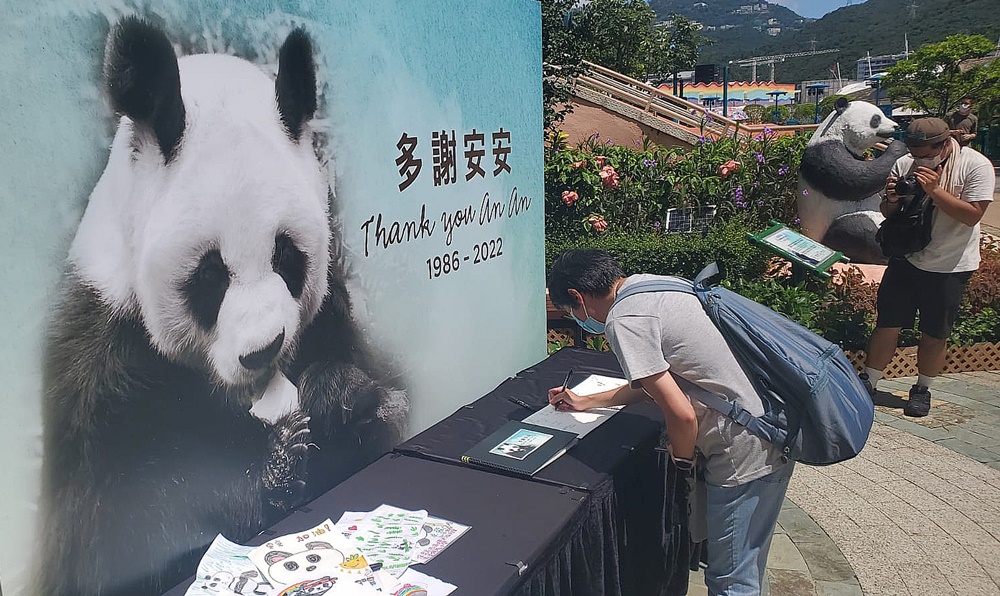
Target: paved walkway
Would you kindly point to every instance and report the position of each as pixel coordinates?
(917, 513)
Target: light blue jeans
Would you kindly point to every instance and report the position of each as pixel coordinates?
(741, 521)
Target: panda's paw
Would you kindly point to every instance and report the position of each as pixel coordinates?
(341, 396)
(285, 472)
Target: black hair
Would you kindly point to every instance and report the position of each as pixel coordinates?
(967, 97)
(587, 271)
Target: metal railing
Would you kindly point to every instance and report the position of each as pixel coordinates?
(652, 100)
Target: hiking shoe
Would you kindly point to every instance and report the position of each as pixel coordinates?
(866, 381)
(920, 402)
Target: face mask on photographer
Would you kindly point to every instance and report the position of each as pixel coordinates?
(964, 108)
(929, 162)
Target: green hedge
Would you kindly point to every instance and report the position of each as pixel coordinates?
(674, 254)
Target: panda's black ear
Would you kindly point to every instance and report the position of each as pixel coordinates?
(295, 86)
(140, 70)
(840, 105)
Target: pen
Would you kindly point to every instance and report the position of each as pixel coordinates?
(564, 386)
(518, 402)
(566, 382)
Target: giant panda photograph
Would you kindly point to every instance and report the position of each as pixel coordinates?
(204, 371)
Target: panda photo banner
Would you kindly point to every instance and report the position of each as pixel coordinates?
(249, 248)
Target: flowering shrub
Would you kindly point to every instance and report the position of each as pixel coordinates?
(601, 195)
(631, 188)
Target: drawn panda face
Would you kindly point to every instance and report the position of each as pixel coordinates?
(212, 226)
(218, 582)
(318, 560)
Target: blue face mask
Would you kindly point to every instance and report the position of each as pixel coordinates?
(591, 325)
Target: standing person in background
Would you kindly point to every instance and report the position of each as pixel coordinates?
(960, 182)
(963, 123)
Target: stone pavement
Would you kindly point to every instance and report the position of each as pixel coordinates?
(916, 513)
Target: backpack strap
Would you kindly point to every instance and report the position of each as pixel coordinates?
(654, 285)
(738, 414)
(670, 284)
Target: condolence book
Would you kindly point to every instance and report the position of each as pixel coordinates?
(520, 448)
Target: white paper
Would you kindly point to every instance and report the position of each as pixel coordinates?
(315, 561)
(435, 536)
(280, 398)
(387, 535)
(596, 384)
(581, 423)
(226, 569)
(414, 583)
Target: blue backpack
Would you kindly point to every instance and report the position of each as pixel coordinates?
(817, 411)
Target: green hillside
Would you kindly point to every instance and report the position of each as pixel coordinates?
(877, 26)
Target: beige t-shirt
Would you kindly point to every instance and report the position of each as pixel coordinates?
(954, 246)
(657, 331)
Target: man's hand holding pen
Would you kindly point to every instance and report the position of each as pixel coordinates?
(567, 401)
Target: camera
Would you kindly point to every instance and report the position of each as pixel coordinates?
(909, 186)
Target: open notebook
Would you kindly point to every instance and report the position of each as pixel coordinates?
(580, 423)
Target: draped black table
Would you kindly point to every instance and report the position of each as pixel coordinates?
(516, 525)
(606, 519)
(635, 539)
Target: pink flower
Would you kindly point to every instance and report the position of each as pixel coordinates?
(609, 177)
(601, 160)
(730, 167)
(578, 164)
(597, 222)
(569, 197)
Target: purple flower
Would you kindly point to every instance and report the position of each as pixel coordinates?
(782, 170)
(767, 131)
(649, 163)
(756, 184)
(597, 135)
(739, 194)
(760, 203)
(796, 221)
(702, 139)
(694, 112)
(758, 137)
(708, 117)
(741, 204)
(759, 156)
(805, 192)
(656, 225)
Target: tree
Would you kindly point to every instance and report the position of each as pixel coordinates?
(937, 76)
(617, 34)
(561, 59)
(675, 48)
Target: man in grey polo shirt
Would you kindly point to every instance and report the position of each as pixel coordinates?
(671, 352)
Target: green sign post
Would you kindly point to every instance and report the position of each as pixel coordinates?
(805, 253)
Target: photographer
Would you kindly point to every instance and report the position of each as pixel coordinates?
(958, 182)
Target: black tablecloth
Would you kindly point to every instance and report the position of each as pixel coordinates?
(607, 449)
(605, 519)
(514, 522)
(637, 530)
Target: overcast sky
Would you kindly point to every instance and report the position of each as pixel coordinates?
(815, 8)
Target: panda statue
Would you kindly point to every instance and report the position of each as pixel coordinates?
(838, 198)
(201, 283)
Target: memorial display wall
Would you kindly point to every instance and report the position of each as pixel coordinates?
(305, 222)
